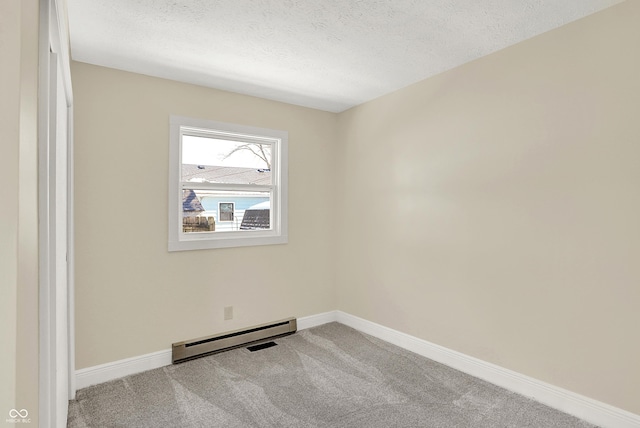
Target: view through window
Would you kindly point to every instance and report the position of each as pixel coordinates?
(221, 179)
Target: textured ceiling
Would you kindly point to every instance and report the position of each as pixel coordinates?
(325, 54)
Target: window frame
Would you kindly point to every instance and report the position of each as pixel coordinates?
(233, 212)
(277, 234)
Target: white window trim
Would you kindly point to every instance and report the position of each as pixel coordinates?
(278, 234)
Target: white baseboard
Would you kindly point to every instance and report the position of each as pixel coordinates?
(585, 408)
(117, 369)
(316, 320)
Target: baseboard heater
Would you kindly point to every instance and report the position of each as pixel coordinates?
(188, 350)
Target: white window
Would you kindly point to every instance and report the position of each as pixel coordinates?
(217, 172)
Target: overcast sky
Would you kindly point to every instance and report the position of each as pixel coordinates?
(209, 151)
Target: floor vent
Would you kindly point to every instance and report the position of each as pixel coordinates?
(261, 346)
(184, 351)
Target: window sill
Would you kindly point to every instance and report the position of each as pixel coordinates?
(206, 244)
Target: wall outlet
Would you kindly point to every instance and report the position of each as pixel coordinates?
(228, 312)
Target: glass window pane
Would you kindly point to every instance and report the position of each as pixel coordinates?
(225, 211)
(212, 160)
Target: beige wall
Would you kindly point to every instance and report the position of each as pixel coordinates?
(18, 215)
(134, 297)
(493, 209)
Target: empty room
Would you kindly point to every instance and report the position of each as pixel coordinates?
(320, 214)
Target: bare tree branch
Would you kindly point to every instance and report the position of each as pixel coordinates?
(250, 147)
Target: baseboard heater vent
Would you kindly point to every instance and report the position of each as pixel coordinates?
(184, 351)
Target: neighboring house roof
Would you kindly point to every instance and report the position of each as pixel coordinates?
(225, 174)
(256, 219)
(190, 202)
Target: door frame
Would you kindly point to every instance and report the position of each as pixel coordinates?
(53, 48)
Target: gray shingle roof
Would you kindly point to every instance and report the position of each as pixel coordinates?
(225, 174)
(190, 202)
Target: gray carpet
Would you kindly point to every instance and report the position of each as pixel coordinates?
(327, 376)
